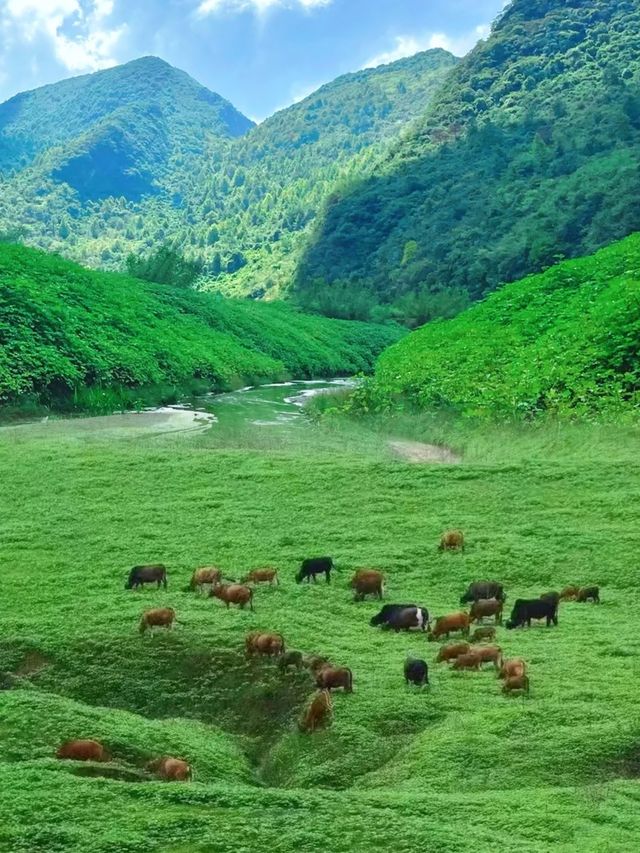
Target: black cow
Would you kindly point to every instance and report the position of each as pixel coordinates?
(416, 672)
(524, 610)
(385, 613)
(410, 617)
(554, 597)
(140, 575)
(589, 593)
(315, 566)
(483, 589)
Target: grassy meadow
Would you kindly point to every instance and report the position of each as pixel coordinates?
(451, 768)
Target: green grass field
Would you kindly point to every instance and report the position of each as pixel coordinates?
(456, 767)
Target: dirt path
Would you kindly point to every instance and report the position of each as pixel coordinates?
(423, 454)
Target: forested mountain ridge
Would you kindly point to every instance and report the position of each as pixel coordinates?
(241, 204)
(529, 152)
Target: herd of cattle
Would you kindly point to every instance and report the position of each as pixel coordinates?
(486, 600)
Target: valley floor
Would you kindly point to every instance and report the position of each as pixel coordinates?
(454, 768)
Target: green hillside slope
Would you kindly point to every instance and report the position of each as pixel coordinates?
(529, 152)
(64, 328)
(126, 173)
(566, 341)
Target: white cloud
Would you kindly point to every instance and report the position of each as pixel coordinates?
(410, 45)
(91, 44)
(260, 7)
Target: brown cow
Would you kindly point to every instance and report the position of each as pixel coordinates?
(569, 593)
(512, 668)
(267, 575)
(330, 678)
(486, 607)
(488, 632)
(516, 682)
(161, 617)
(367, 582)
(452, 651)
(452, 540)
(171, 769)
(206, 575)
(233, 593)
(468, 661)
(83, 750)
(318, 713)
(264, 643)
(446, 624)
(489, 654)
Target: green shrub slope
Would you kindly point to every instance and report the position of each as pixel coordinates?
(566, 340)
(64, 328)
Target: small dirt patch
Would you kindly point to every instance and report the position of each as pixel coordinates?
(423, 454)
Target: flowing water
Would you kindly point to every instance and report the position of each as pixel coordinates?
(278, 407)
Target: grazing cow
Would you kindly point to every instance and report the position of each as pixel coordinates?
(416, 672)
(553, 597)
(512, 668)
(318, 712)
(489, 654)
(330, 678)
(206, 575)
(452, 651)
(589, 593)
(315, 662)
(445, 625)
(569, 593)
(233, 593)
(171, 769)
(468, 661)
(387, 611)
(288, 659)
(267, 575)
(487, 632)
(140, 575)
(485, 607)
(162, 617)
(264, 643)
(367, 582)
(516, 682)
(411, 617)
(315, 566)
(83, 750)
(483, 589)
(451, 540)
(524, 610)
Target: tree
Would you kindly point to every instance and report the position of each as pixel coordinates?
(165, 266)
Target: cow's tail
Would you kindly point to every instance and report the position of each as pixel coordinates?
(164, 578)
(526, 684)
(350, 681)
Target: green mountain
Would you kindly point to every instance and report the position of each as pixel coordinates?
(65, 330)
(99, 166)
(528, 153)
(565, 341)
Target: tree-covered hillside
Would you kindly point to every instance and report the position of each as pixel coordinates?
(125, 173)
(64, 329)
(528, 153)
(565, 341)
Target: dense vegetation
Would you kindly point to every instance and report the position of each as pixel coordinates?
(100, 166)
(528, 153)
(566, 341)
(65, 329)
(457, 761)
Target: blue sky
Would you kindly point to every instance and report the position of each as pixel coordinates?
(260, 54)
